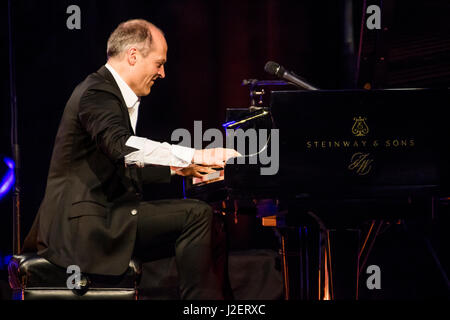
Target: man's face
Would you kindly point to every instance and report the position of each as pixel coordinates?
(148, 69)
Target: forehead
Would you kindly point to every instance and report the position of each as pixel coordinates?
(159, 45)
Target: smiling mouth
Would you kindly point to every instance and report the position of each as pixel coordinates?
(152, 81)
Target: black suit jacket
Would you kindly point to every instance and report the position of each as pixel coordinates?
(86, 216)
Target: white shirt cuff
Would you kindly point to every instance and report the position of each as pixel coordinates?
(184, 153)
(157, 153)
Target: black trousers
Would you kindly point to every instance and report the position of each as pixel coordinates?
(191, 231)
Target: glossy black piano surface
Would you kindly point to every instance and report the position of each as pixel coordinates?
(349, 144)
(355, 142)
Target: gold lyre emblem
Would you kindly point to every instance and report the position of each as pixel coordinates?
(360, 128)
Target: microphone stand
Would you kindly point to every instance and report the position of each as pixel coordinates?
(14, 138)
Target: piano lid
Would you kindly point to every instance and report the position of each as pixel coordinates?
(336, 140)
(360, 137)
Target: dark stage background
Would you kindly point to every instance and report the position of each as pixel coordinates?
(213, 46)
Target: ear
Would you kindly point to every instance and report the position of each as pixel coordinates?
(132, 56)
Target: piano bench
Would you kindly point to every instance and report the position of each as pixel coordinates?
(32, 277)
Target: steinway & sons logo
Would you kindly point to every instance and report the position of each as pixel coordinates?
(360, 163)
(362, 160)
(360, 128)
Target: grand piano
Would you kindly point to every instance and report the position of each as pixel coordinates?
(344, 158)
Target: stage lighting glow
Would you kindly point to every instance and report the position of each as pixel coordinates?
(8, 180)
(6, 260)
(227, 124)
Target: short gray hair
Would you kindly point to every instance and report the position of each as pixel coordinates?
(128, 33)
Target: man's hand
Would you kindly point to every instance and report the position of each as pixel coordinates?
(193, 171)
(216, 157)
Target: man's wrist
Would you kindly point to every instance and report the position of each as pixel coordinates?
(195, 157)
(184, 153)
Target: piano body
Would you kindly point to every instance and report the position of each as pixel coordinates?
(345, 157)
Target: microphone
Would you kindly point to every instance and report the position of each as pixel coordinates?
(275, 69)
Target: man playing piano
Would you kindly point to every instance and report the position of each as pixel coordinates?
(92, 214)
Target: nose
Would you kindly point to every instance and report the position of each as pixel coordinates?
(161, 72)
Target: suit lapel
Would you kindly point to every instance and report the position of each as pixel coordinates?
(104, 73)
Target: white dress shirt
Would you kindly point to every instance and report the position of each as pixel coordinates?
(149, 151)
